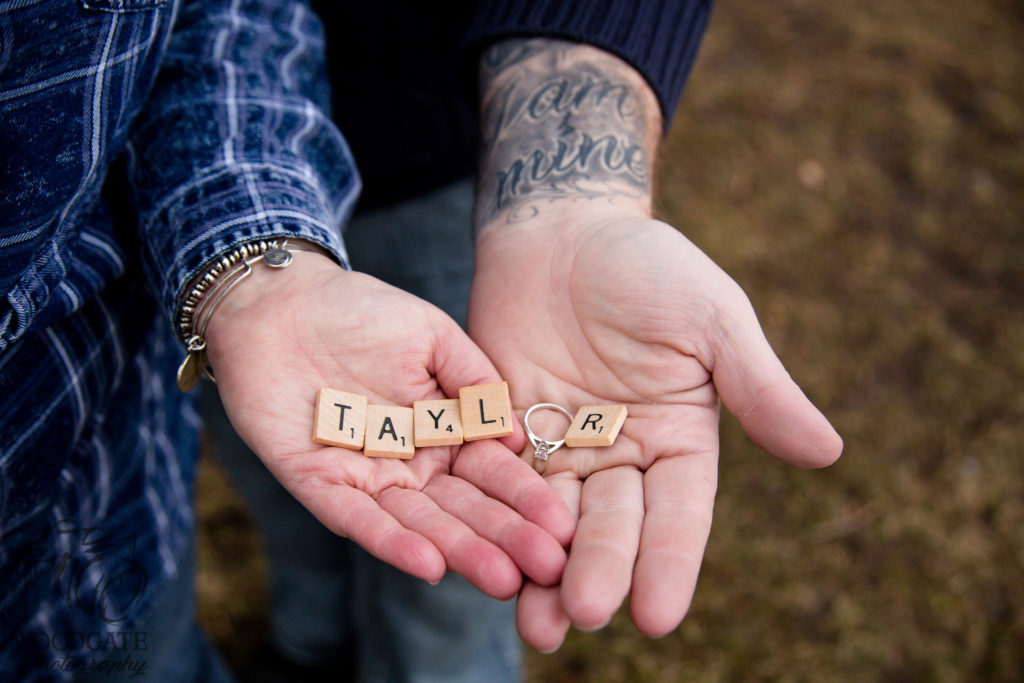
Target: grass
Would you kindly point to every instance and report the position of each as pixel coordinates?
(859, 169)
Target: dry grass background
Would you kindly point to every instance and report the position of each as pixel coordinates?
(859, 169)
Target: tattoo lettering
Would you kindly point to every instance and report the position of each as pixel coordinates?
(560, 121)
(563, 97)
(587, 159)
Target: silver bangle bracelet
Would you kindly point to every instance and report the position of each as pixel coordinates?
(208, 292)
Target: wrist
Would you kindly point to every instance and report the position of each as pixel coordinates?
(221, 285)
(265, 285)
(561, 225)
(563, 125)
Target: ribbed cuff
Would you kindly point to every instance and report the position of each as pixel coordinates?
(659, 38)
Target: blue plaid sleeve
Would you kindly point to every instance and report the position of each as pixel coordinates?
(236, 143)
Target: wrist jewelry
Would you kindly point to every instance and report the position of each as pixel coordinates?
(207, 293)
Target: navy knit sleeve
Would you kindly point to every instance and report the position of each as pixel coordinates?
(659, 38)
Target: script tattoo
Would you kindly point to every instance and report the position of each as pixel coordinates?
(559, 121)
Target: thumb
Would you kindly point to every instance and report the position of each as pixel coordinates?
(756, 388)
(459, 362)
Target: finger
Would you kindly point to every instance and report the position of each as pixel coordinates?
(600, 567)
(533, 550)
(353, 514)
(569, 488)
(501, 475)
(481, 562)
(756, 388)
(458, 362)
(515, 441)
(540, 619)
(679, 495)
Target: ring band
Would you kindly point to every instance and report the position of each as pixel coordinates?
(542, 447)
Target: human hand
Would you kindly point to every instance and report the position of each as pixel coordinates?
(580, 298)
(475, 509)
(614, 308)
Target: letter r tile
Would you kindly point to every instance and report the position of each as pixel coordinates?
(389, 432)
(486, 411)
(437, 423)
(339, 419)
(595, 426)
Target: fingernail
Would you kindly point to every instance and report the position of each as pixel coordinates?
(591, 629)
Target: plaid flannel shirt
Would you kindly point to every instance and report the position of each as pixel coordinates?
(138, 140)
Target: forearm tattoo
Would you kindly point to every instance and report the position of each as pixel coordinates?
(560, 121)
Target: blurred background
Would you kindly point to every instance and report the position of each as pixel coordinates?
(858, 168)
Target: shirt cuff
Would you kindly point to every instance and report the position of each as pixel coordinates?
(215, 217)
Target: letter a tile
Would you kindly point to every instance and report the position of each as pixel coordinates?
(486, 411)
(437, 423)
(340, 419)
(389, 432)
(595, 426)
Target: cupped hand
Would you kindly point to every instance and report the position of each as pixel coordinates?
(476, 509)
(582, 307)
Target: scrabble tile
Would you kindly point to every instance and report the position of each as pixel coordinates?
(389, 432)
(595, 426)
(339, 419)
(486, 411)
(437, 423)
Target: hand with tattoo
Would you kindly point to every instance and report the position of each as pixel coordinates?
(582, 298)
(467, 509)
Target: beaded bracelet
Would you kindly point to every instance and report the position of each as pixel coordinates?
(207, 293)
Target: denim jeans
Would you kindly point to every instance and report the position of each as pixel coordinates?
(328, 596)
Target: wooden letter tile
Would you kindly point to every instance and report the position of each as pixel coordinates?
(340, 419)
(595, 426)
(389, 432)
(486, 411)
(437, 423)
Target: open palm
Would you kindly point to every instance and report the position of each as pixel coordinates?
(282, 335)
(610, 307)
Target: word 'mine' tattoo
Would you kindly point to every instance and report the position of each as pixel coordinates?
(559, 121)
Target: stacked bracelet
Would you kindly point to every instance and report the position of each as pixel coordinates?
(207, 293)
